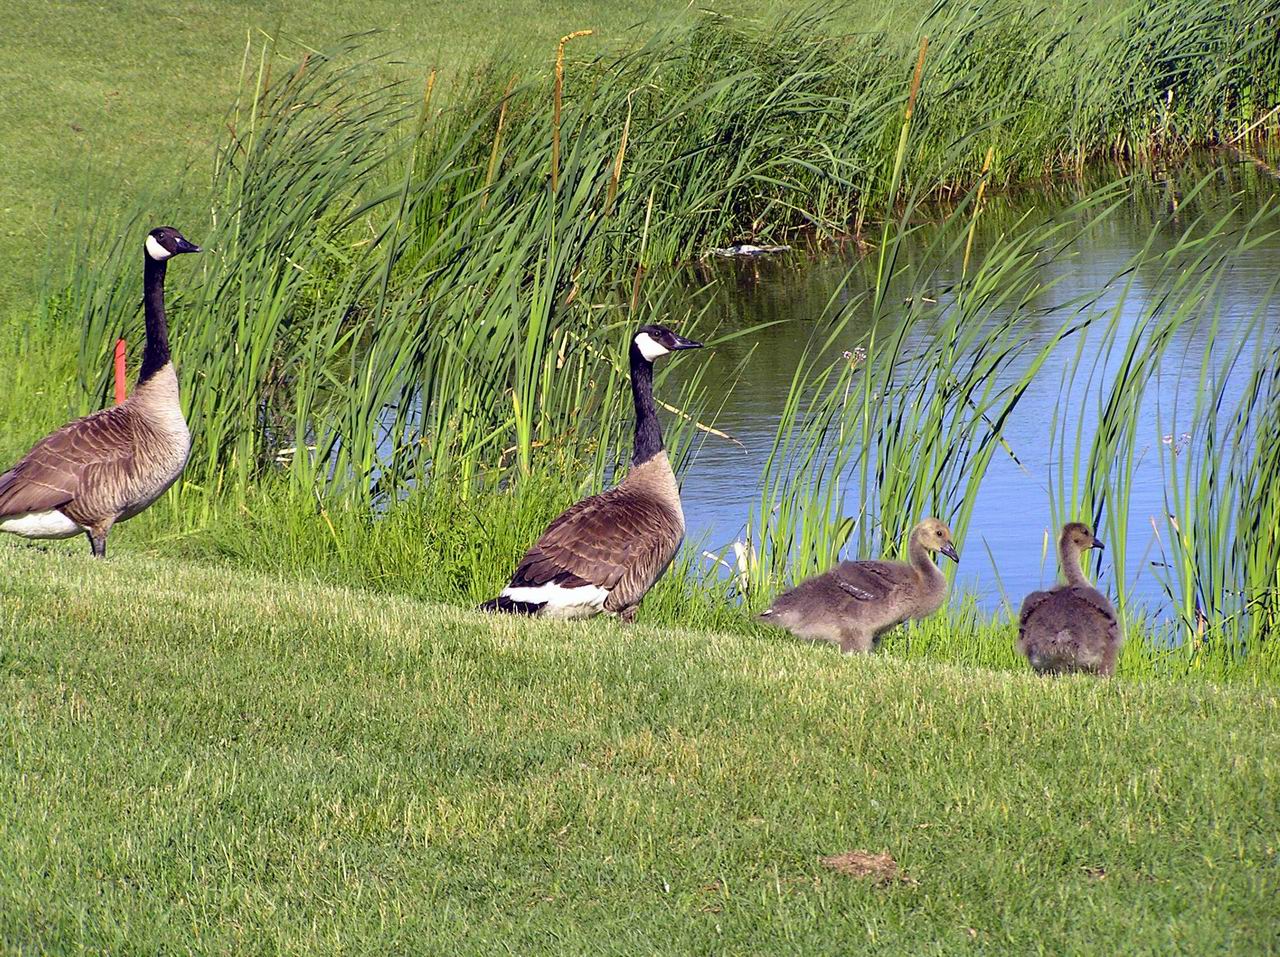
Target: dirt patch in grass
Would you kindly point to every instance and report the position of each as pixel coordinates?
(880, 868)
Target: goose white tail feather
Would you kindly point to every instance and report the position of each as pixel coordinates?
(557, 601)
(50, 524)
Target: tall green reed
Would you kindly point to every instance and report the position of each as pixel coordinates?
(382, 295)
(911, 431)
(1165, 315)
(863, 451)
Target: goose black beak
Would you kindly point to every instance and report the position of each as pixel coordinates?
(950, 551)
(682, 343)
(1098, 545)
(185, 246)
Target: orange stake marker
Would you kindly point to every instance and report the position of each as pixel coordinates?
(120, 380)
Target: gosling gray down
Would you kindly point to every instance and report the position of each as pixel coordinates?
(605, 552)
(856, 602)
(1071, 627)
(109, 466)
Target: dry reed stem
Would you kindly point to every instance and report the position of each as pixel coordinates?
(674, 410)
(266, 82)
(710, 430)
(426, 100)
(296, 77)
(977, 208)
(497, 140)
(617, 163)
(1254, 125)
(644, 239)
(559, 89)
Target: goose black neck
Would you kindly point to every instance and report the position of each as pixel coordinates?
(648, 431)
(156, 354)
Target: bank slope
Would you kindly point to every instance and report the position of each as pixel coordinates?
(206, 760)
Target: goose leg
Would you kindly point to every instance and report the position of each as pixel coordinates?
(854, 642)
(628, 614)
(98, 542)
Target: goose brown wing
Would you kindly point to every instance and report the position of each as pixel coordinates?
(50, 475)
(1093, 605)
(600, 541)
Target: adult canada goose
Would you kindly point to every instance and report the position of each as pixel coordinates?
(856, 602)
(109, 466)
(606, 551)
(1071, 627)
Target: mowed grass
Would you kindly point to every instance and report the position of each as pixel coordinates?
(200, 760)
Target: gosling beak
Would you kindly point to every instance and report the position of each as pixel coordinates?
(950, 551)
(682, 343)
(1098, 545)
(184, 246)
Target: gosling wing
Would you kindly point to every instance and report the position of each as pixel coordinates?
(1084, 607)
(844, 592)
(1030, 604)
(872, 581)
(1098, 606)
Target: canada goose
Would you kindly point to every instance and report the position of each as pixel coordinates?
(109, 466)
(1071, 627)
(856, 602)
(606, 551)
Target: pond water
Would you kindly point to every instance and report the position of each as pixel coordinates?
(1004, 554)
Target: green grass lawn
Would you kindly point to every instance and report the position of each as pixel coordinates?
(206, 761)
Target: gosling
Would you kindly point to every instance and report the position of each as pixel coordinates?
(856, 602)
(1070, 628)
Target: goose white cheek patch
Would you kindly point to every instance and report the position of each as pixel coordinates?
(155, 250)
(650, 348)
